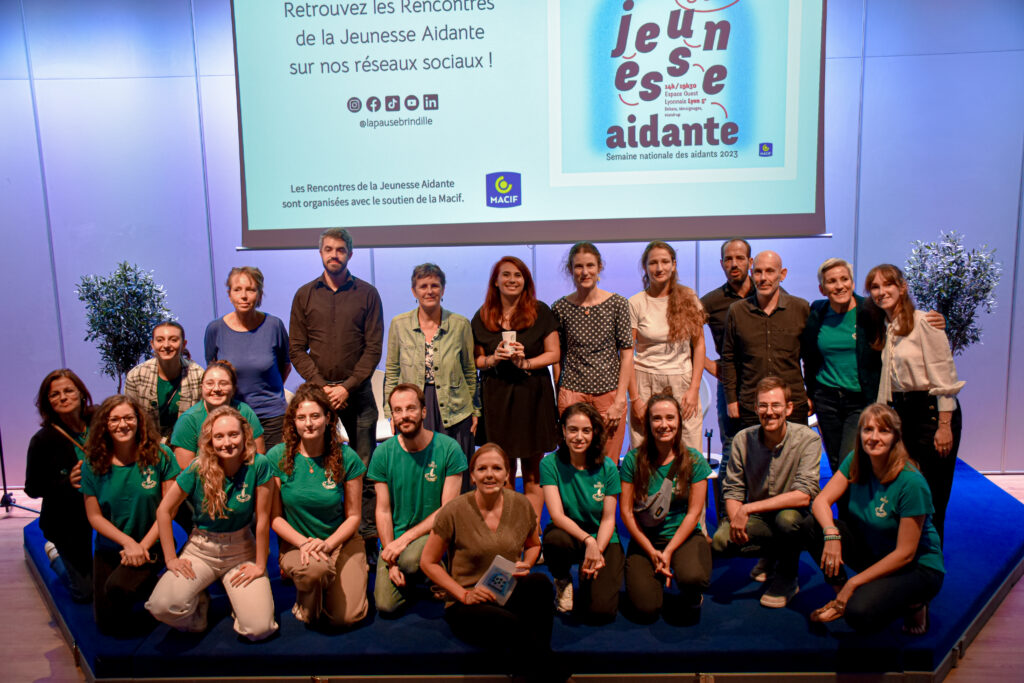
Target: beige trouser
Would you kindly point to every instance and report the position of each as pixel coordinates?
(648, 384)
(215, 556)
(602, 402)
(335, 589)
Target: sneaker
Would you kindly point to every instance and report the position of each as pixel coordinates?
(762, 570)
(51, 552)
(563, 595)
(780, 592)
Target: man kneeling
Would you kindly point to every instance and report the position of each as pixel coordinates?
(415, 473)
(770, 482)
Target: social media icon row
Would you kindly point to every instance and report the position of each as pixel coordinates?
(394, 103)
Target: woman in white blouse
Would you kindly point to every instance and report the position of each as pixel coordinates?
(919, 381)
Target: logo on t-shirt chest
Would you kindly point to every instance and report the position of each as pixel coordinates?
(599, 493)
(148, 482)
(880, 509)
(242, 496)
(431, 474)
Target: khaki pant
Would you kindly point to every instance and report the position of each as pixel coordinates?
(215, 556)
(335, 589)
(613, 444)
(648, 384)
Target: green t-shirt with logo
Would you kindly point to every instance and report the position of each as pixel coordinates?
(582, 491)
(415, 480)
(240, 498)
(679, 505)
(837, 342)
(129, 495)
(187, 428)
(875, 509)
(313, 503)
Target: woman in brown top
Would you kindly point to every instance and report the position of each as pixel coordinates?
(475, 528)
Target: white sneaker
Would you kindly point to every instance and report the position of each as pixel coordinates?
(563, 595)
(51, 552)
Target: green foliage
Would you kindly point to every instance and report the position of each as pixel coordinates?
(948, 278)
(122, 309)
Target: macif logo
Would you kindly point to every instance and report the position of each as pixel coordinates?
(504, 190)
(764, 149)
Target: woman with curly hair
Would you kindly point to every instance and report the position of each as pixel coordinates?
(53, 472)
(127, 472)
(664, 487)
(887, 537)
(515, 340)
(229, 485)
(581, 489)
(668, 336)
(317, 513)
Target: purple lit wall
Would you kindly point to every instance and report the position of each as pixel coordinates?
(119, 142)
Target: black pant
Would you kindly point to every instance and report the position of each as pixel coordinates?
(597, 599)
(775, 535)
(874, 605)
(521, 626)
(838, 412)
(117, 588)
(691, 569)
(273, 431)
(74, 544)
(360, 420)
(920, 416)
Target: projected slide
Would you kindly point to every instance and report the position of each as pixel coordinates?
(510, 121)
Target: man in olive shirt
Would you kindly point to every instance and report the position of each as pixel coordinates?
(763, 337)
(772, 478)
(335, 340)
(415, 473)
(735, 264)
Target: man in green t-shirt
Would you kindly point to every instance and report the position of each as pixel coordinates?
(415, 473)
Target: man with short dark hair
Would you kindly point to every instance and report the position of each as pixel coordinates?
(335, 338)
(414, 473)
(772, 478)
(762, 337)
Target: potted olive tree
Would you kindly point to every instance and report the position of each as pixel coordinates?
(955, 281)
(122, 309)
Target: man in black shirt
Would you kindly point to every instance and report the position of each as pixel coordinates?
(735, 264)
(335, 337)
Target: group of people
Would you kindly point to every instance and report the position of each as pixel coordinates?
(226, 454)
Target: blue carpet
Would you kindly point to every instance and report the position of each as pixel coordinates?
(734, 634)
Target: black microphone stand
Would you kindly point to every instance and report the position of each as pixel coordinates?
(8, 501)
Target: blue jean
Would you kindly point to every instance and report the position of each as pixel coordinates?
(727, 429)
(360, 420)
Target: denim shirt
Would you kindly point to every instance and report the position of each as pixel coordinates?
(454, 366)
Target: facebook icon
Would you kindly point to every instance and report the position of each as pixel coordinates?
(373, 104)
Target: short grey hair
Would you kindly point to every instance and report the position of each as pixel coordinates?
(427, 270)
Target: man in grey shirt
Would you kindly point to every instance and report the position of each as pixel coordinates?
(772, 477)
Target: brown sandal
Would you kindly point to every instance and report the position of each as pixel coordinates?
(830, 612)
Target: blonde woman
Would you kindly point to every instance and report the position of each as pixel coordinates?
(229, 485)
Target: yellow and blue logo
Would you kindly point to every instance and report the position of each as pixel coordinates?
(504, 190)
(764, 149)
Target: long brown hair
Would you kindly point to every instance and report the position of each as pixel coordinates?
(647, 453)
(685, 316)
(208, 465)
(46, 411)
(595, 451)
(886, 417)
(903, 321)
(334, 463)
(99, 446)
(525, 312)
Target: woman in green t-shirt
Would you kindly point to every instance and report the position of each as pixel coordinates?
(664, 488)
(126, 474)
(229, 485)
(317, 513)
(887, 536)
(581, 489)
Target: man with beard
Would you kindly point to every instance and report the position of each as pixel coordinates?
(415, 473)
(335, 338)
(771, 481)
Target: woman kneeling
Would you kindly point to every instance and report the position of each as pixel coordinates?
(317, 513)
(888, 536)
(228, 484)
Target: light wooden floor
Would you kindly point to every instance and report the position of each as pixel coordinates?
(32, 649)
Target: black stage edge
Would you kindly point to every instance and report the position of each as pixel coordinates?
(736, 639)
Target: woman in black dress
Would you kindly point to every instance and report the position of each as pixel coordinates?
(516, 339)
(53, 472)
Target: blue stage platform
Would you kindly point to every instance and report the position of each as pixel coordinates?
(735, 636)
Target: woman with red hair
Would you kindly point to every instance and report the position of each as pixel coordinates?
(515, 340)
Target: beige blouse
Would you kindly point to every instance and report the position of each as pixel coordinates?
(920, 361)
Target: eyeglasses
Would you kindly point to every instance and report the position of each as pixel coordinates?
(773, 407)
(128, 420)
(54, 395)
(211, 384)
